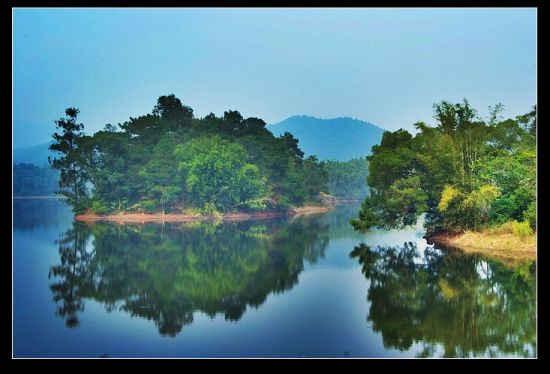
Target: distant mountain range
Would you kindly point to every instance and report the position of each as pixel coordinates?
(340, 139)
(37, 154)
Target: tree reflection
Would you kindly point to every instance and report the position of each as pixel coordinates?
(165, 273)
(453, 304)
(70, 273)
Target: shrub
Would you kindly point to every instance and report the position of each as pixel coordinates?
(209, 209)
(100, 208)
(530, 215)
(83, 204)
(449, 194)
(254, 205)
(191, 211)
(283, 203)
(134, 208)
(148, 206)
(506, 228)
(462, 211)
(522, 229)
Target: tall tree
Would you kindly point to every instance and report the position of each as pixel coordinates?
(170, 107)
(72, 173)
(530, 121)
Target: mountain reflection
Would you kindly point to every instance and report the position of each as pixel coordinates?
(165, 273)
(452, 304)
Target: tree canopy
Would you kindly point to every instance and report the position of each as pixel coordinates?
(73, 174)
(464, 172)
(170, 161)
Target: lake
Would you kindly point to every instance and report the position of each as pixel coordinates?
(302, 287)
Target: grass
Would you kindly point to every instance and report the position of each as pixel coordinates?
(519, 229)
(502, 243)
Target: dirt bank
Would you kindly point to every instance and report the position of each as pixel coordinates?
(310, 209)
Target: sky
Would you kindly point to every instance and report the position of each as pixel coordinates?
(384, 66)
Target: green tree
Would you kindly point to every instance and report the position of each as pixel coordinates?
(515, 174)
(529, 120)
(490, 167)
(462, 211)
(347, 179)
(291, 144)
(162, 181)
(215, 171)
(315, 177)
(170, 107)
(73, 175)
(170, 160)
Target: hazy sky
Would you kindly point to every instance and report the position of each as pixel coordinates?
(385, 66)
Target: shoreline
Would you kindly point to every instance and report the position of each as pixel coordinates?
(507, 248)
(182, 217)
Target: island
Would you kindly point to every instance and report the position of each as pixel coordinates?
(170, 166)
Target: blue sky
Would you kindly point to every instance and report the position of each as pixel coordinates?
(385, 66)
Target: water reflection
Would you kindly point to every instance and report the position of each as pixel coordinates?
(30, 214)
(165, 273)
(454, 305)
(338, 222)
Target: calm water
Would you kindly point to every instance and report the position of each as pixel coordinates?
(305, 287)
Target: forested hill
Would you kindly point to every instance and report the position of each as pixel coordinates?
(32, 180)
(36, 155)
(340, 139)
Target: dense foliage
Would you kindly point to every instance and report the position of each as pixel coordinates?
(170, 161)
(346, 179)
(464, 172)
(32, 180)
(71, 163)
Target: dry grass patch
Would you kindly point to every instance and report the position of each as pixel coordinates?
(507, 247)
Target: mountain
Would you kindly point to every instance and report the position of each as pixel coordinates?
(340, 139)
(37, 155)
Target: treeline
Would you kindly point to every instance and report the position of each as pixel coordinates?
(32, 180)
(347, 179)
(170, 161)
(464, 172)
